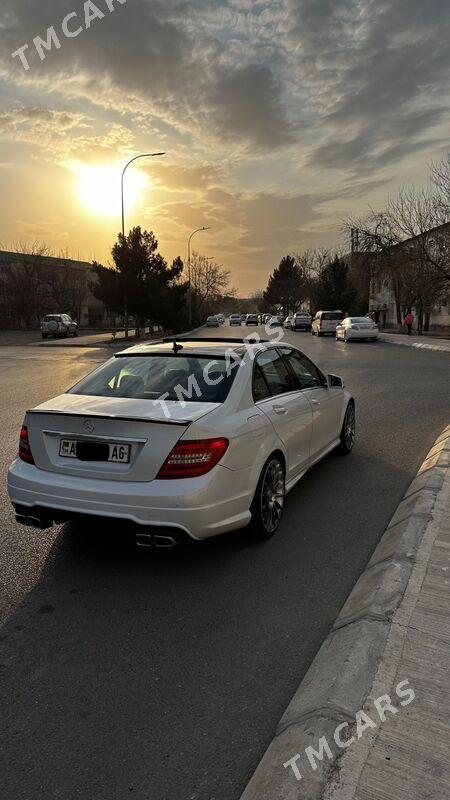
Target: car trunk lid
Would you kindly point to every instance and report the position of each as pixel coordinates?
(144, 431)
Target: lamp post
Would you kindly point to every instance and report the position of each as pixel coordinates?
(189, 272)
(143, 155)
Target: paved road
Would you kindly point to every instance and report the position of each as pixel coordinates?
(126, 674)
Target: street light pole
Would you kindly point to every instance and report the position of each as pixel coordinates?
(189, 272)
(143, 155)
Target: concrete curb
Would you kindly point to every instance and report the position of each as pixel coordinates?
(340, 679)
(437, 348)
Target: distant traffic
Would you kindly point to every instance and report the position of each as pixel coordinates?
(324, 322)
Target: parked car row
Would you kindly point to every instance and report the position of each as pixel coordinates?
(334, 324)
(331, 323)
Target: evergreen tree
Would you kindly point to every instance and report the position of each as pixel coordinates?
(152, 289)
(287, 285)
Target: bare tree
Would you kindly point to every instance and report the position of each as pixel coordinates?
(23, 283)
(210, 282)
(374, 239)
(68, 288)
(440, 178)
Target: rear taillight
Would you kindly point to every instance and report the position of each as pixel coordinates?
(24, 446)
(192, 459)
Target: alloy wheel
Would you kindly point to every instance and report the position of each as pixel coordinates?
(350, 427)
(272, 496)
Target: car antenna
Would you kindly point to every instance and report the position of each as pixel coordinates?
(177, 347)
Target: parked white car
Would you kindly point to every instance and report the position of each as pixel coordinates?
(325, 322)
(58, 325)
(235, 319)
(357, 328)
(184, 440)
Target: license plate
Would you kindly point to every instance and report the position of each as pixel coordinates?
(114, 453)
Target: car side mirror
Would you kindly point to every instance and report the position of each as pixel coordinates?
(335, 380)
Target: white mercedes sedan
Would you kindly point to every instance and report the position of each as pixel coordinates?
(185, 439)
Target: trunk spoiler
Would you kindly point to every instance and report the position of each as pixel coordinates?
(183, 423)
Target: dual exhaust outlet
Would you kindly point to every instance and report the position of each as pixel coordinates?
(158, 541)
(147, 538)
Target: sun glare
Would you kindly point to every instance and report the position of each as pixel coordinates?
(98, 188)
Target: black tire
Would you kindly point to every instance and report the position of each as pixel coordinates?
(44, 335)
(268, 503)
(75, 333)
(348, 431)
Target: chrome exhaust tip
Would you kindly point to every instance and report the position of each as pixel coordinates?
(162, 541)
(158, 541)
(144, 540)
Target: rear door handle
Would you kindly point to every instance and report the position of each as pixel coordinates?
(315, 402)
(279, 409)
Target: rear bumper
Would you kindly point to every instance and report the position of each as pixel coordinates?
(200, 507)
(367, 334)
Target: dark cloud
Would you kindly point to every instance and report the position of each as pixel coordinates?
(377, 75)
(145, 57)
(246, 103)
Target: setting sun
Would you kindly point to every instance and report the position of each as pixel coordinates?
(98, 188)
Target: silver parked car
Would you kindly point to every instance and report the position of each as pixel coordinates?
(58, 325)
(302, 321)
(212, 322)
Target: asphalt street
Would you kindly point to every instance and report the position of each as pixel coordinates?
(162, 676)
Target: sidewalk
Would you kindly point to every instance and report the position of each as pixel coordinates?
(421, 342)
(34, 339)
(409, 758)
(90, 340)
(332, 742)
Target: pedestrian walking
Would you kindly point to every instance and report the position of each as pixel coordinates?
(409, 321)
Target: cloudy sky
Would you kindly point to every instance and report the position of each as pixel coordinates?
(278, 118)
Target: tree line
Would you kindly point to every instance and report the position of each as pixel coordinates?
(405, 246)
(315, 279)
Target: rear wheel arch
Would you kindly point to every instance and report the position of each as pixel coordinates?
(257, 525)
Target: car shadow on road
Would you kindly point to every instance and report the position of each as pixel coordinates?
(168, 671)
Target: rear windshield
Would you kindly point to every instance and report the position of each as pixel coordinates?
(332, 315)
(162, 377)
(360, 319)
(52, 318)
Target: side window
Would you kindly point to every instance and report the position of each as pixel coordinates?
(260, 389)
(275, 372)
(307, 374)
